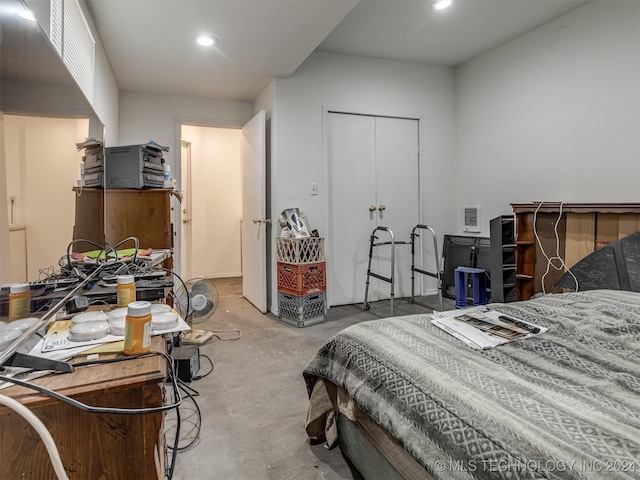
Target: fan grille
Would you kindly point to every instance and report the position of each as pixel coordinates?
(196, 300)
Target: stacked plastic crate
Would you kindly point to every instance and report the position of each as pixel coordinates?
(302, 280)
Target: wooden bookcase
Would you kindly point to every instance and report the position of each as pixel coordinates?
(567, 231)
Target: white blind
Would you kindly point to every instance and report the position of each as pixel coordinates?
(55, 31)
(71, 36)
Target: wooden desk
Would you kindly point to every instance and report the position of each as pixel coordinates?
(92, 446)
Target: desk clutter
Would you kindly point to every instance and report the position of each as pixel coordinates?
(51, 314)
(99, 327)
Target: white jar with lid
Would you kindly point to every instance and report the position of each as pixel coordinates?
(126, 290)
(19, 301)
(137, 328)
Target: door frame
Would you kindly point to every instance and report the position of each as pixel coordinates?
(185, 227)
(326, 111)
(176, 214)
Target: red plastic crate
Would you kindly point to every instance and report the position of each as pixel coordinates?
(303, 279)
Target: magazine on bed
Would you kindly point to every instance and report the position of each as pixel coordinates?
(481, 327)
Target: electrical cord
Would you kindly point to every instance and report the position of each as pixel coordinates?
(198, 424)
(477, 256)
(101, 247)
(137, 247)
(234, 330)
(198, 377)
(550, 260)
(184, 287)
(41, 430)
(176, 440)
(91, 409)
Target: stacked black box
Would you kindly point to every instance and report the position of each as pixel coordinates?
(92, 162)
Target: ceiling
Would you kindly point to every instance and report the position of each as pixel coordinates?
(150, 43)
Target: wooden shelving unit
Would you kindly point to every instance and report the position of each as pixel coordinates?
(114, 214)
(567, 231)
(503, 259)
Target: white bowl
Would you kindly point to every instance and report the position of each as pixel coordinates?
(7, 337)
(21, 324)
(163, 321)
(160, 308)
(87, 331)
(97, 316)
(116, 326)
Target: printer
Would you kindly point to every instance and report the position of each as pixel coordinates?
(134, 166)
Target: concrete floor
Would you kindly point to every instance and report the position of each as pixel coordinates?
(254, 402)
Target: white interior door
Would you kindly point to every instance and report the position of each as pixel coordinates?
(373, 172)
(351, 148)
(397, 187)
(254, 221)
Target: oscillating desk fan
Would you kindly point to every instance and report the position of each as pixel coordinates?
(196, 301)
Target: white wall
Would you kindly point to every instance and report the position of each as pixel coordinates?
(216, 209)
(149, 116)
(553, 115)
(106, 95)
(364, 85)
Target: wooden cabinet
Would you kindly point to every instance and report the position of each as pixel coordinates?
(551, 237)
(114, 214)
(91, 445)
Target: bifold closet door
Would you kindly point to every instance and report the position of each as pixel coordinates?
(373, 181)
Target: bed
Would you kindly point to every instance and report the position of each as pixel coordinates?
(404, 399)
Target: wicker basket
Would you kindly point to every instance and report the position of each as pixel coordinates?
(300, 250)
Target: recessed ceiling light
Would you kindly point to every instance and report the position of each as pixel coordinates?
(441, 4)
(206, 40)
(27, 15)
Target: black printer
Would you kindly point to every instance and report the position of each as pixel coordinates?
(134, 166)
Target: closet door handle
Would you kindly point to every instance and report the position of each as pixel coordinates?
(372, 208)
(381, 208)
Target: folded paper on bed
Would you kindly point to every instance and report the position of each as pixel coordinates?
(482, 328)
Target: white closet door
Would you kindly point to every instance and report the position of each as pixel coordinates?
(373, 172)
(351, 145)
(397, 190)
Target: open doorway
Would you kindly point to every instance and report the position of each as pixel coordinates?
(224, 219)
(211, 171)
(42, 165)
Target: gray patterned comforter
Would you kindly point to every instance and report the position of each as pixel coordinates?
(561, 405)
